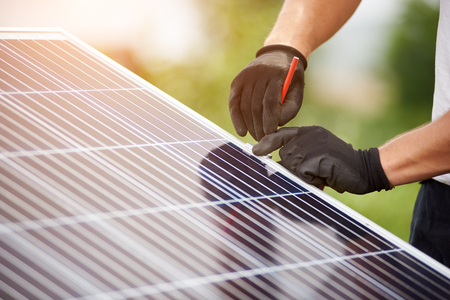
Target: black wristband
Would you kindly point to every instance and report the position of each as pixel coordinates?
(285, 48)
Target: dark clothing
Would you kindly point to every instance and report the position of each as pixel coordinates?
(430, 225)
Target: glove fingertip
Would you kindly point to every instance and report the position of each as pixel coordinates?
(260, 149)
(238, 122)
(239, 127)
(241, 132)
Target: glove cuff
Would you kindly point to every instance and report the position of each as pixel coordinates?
(377, 178)
(284, 48)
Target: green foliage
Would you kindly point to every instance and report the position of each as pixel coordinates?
(410, 59)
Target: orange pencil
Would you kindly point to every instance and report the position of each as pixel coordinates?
(288, 79)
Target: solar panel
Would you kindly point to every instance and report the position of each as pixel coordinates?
(112, 189)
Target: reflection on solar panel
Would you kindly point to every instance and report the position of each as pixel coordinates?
(111, 189)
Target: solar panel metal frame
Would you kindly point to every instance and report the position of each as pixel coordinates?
(270, 164)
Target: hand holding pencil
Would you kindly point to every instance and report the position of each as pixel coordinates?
(256, 98)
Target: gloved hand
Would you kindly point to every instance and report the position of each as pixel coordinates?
(255, 96)
(320, 158)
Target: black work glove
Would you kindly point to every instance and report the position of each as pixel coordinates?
(320, 158)
(255, 96)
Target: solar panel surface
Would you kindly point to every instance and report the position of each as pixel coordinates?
(111, 189)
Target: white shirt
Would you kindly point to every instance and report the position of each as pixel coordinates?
(441, 99)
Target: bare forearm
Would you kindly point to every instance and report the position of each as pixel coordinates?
(306, 24)
(419, 154)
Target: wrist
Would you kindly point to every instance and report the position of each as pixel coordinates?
(286, 49)
(306, 51)
(387, 166)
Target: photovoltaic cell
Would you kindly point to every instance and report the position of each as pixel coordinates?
(111, 189)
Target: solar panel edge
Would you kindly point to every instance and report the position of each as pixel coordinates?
(272, 165)
(32, 30)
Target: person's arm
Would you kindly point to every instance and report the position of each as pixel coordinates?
(419, 154)
(255, 95)
(306, 24)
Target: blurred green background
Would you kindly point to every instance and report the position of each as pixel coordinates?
(396, 97)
